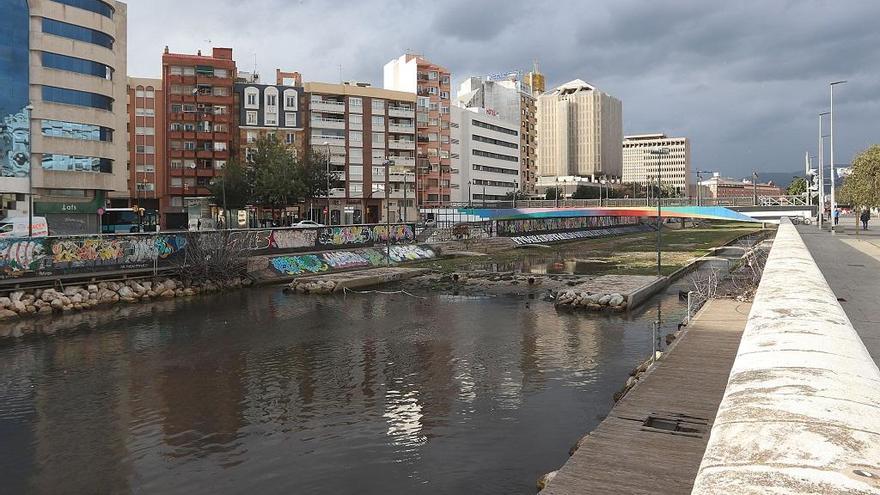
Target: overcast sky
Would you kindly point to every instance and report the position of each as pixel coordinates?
(744, 80)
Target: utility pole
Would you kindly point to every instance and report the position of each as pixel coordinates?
(659, 152)
(833, 174)
(755, 186)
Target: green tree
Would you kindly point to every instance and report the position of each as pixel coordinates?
(862, 187)
(313, 175)
(275, 175)
(797, 187)
(234, 188)
(586, 192)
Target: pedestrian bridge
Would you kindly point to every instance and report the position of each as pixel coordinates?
(763, 214)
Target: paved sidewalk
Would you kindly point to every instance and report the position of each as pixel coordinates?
(850, 262)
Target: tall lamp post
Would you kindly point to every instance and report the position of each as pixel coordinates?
(833, 173)
(30, 109)
(659, 152)
(327, 217)
(755, 186)
(515, 192)
(821, 170)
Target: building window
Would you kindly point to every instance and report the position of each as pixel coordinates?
(378, 106)
(95, 6)
(290, 119)
(145, 112)
(222, 73)
(78, 98)
(356, 155)
(78, 33)
(74, 130)
(378, 122)
(77, 65)
(271, 119)
(219, 164)
(251, 137)
(355, 121)
(355, 138)
(291, 99)
(289, 138)
(355, 104)
(379, 139)
(251, 96)
(145, 150)
(251, 118)
(378, 155)
(69, 163)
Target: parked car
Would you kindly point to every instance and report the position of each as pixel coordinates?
(18, 227)
(306, 224)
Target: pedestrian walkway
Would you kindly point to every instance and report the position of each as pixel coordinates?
(850, 262)
(653, 440)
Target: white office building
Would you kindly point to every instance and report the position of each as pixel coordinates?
(640, 166)
(580, 129)
(485, 156)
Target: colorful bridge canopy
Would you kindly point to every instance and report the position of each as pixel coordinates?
(701, 212)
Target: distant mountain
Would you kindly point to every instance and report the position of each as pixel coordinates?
(781, 179)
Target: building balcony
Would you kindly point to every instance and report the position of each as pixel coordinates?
(402, 112)
(337, 159)
(327, 140)
(327, 123)
(403, 161)
(401, 144)
(337, 192)
(402, 128)
(327, 106)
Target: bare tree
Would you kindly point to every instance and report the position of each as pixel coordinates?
(212, 257)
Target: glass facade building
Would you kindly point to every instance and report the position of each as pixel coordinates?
(78, 65)
(14, 79)
(75, 130)
(96, 6)
(78, 33)
(69, 163)
(76, 97)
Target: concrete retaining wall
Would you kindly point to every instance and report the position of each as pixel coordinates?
(801, 412)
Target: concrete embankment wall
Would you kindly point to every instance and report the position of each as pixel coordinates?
(801, 412)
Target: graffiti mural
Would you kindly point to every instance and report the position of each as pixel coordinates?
(298, 265)
(346, 260)
(293, 239)
(19, 256)
(579, 234)
(365, 235)
(559, 224)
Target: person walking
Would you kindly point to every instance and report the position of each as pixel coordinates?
(836, 215)
(864, 217)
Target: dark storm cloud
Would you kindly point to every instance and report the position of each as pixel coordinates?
(744, 80)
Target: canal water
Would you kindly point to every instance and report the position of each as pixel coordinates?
(261, 392)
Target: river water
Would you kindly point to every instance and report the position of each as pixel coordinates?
(260, 392)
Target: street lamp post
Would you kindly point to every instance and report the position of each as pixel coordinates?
(821, 170)
(327, 217)
(515, 191)
(30, 109)
(833, 173)
(755, 186)
(659, 152)
(470, 196)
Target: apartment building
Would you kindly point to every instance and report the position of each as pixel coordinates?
(264, 109)
(413, 73)
(509, 98)
(370, 136)
(62, 110)
(640, 166)
(486, 156)
(198, 101)
(580, 129)
(146, 144)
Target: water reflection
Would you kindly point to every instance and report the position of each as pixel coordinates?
(261, 392)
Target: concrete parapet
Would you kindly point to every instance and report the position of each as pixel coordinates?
(801, 412)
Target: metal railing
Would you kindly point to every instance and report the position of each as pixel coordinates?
(628, 202)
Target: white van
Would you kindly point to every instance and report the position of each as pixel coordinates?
(18, 227)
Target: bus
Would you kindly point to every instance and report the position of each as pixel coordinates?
(129, 220)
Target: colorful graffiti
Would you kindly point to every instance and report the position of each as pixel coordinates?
(347, 260)
(579, 234)
(365, 235)
(298, 264)
(18, 256)
(559, 224)
(53, 255)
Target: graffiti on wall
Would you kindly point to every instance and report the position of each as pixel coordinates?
(52, 255)
(579, 234)
(271, 240)
(559, 224)
(306, 264)
(365, 235)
